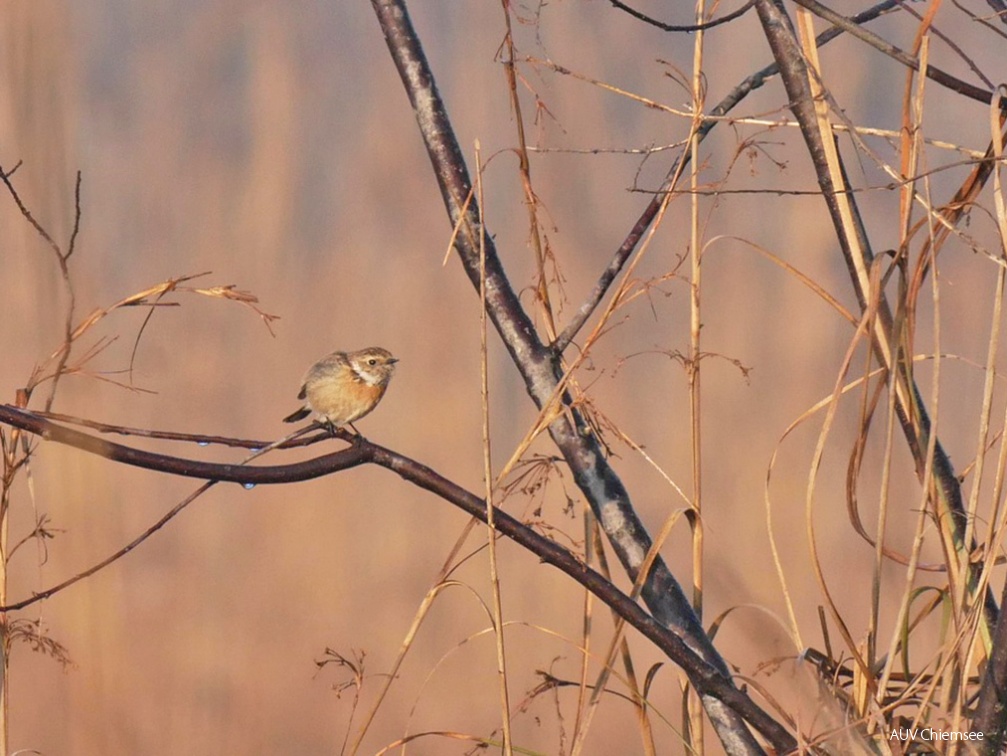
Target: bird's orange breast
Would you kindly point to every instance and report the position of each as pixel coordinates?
(342, 399)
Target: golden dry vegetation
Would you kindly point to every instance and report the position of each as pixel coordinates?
(272, 145)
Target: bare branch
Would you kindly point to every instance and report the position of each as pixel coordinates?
(991, 712)
(688, 27)
(941, 77)
(62, 259)
(707, 679)
(26, 213)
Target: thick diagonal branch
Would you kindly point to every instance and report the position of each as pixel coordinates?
(539, 367)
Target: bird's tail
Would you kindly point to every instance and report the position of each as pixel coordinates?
(302, 413)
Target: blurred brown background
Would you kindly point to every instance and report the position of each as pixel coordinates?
(272, 144)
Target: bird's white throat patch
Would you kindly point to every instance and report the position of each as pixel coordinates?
(369, 379)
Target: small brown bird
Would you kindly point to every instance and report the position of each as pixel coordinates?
(345, 386)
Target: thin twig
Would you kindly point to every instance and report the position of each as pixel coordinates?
(688, 28)
(622, 254)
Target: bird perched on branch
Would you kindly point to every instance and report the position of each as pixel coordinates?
(345, 386)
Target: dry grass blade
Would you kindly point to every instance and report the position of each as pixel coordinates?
(407, 643)
(58, 360)
(488, 487)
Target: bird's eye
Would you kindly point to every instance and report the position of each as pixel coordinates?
(372, 361)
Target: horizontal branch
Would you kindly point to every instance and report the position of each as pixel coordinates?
(707, 679)
(248, 475)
